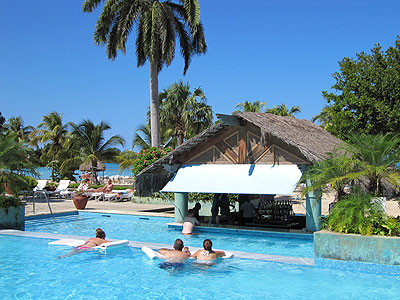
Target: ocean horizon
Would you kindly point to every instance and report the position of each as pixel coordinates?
(111, 169)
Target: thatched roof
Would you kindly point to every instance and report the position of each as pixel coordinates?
(302, 136)
(100, 166)
(312, 141)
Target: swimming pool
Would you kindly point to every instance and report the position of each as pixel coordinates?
(155, 230)
(29, 269)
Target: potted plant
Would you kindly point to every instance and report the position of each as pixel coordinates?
(12, 213)
(80, 199)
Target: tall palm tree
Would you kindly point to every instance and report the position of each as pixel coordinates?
(16, 129)
(158, 25)
(51, 130)
(184, 114)
(90, 145)
(282, 110)
(256, 106)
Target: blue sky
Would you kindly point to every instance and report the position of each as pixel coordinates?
(272, 51)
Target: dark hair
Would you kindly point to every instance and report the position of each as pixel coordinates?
(178, 244)
(100, 233)
(190, 212)
(207, 244)
(197, 205)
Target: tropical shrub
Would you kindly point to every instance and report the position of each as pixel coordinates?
(358, 213)
(146, 157)
(7, 201)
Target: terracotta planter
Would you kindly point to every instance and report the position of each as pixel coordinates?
(80, 201)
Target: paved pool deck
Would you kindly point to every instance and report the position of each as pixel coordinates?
(165, 210)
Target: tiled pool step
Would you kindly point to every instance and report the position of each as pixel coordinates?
(238, 254)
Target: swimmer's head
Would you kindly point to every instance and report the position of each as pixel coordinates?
(100, 233)
(178, 244)
(207, 244)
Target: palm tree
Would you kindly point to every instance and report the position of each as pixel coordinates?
(255, 106)
(90, 145)
(51, 130)
(282, 110)
(373, 158)
(15, 128)
(324, 117)
(142, 138)
(14, 164)
(158, 25)
(184, 114)
(126, 159)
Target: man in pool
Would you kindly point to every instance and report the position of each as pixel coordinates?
(207, 254)
(90, 243)
(175, 257)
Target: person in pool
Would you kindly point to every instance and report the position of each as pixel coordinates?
(189, 222)
(207, 254)
(90, 243)
(176, 255)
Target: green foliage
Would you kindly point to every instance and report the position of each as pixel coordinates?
(196, 197)
(146, 157)
(14, 164)
(184, 114)
(256, 106)
(372, 158)
(282, 110)
(7, 201)
(367, 97)
(357, 213)
(89, 146)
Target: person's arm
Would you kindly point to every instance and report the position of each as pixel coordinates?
(194, 255)
(197, 222)
(163, 251)
(220, 253)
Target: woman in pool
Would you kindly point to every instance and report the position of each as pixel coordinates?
(90, 243)
(208, 255)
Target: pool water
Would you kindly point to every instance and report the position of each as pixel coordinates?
(155, 230)
(30, 269)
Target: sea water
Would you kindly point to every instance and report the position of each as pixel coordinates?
(111, 169)
(30, 269)
(155, 230)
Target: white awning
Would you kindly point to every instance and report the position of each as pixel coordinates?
(235, 179)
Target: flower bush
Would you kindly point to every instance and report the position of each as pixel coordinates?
(146, 157)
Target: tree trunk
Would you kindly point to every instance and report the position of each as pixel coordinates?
(180, 138)
(52, 165)
(154, 106)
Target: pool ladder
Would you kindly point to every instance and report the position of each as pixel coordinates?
(47, 199)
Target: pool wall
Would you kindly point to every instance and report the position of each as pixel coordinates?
(12, 217)
(354, 247)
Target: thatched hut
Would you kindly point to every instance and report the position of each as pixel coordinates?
(244, 138)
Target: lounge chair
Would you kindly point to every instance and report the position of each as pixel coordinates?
(61, 190)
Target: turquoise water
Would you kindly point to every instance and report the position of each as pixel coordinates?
(155, 230)
(111, 169)
(30, 269)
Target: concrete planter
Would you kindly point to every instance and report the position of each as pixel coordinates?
(355, 247)
(13, 217)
